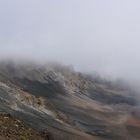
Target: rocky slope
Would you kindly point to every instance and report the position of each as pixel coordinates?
(68, 104)
(12, 129)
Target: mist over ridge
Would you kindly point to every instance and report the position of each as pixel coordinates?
(91, 36)
(69, 69)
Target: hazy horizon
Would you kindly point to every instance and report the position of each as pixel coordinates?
(91, 35)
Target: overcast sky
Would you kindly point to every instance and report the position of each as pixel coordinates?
(92, 35)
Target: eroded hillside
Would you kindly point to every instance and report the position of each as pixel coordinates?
(68, 104)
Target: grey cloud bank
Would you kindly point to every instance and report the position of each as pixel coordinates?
(92, 35)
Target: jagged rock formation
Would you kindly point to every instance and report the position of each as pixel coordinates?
(69, 104)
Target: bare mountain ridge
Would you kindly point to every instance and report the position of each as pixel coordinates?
(69, 104)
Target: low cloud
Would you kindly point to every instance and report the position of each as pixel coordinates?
(101, 36)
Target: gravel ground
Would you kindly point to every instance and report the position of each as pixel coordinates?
(12, 129)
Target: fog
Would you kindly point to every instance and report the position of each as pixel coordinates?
(91, 35)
